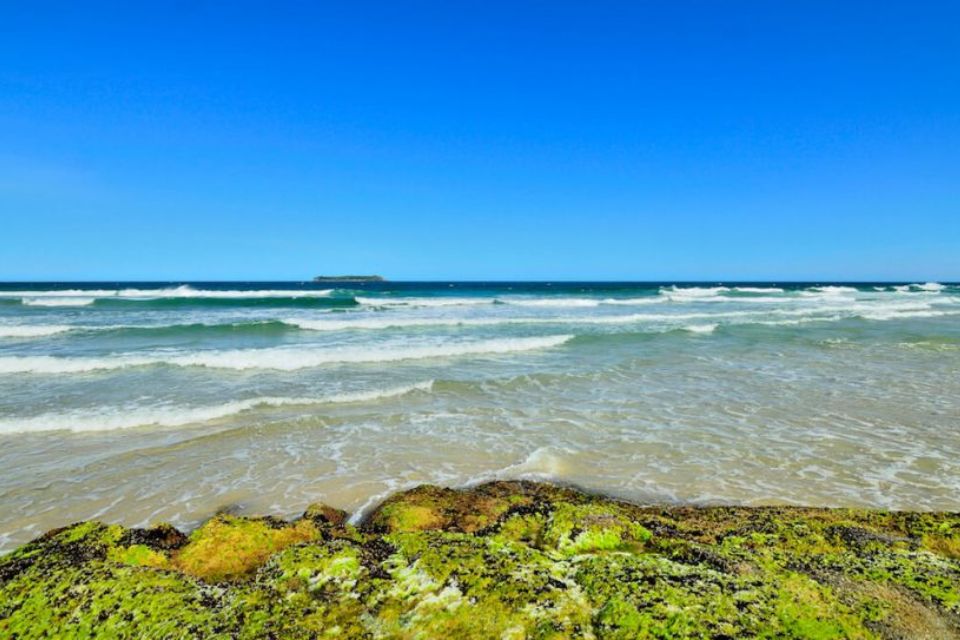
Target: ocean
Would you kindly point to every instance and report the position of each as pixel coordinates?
(143, 402)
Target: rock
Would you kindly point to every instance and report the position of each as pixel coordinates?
(324, 515)
(228, 548)
(501, 560)
(348, 279)
(161, 537)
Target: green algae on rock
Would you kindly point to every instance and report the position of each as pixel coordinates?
(501, 560)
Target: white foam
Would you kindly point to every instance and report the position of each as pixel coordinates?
(830, 290)
(634, 301)
(398, 323)
(845, 310)
(863, 312)
(279, 358)
(902, 315)
(675, 292)
(926, 289)
(32, 331)
(796, 321)
(543, 462)
(834, 311)
(758, 289)
(460, 302)
(392, 323)
(57, 302)
(184, 291)
(551, 302)
(125, 417)
(422, 302)
(60, 293)
(700, 328)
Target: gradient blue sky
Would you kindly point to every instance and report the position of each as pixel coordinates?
(475, 140)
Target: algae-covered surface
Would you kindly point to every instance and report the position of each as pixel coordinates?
(502, 560)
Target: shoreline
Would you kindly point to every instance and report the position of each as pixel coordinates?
(512, 559)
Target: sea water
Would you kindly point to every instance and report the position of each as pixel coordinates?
(143, 402)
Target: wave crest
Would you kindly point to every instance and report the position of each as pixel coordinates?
(178, 416)
(66, 301)
(183, 291)
(277, 358)
(32, 331)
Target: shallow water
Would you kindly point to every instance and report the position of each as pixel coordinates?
(139, 402)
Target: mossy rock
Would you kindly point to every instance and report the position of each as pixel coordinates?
(501, 560)
(466, 510)
(231, 548)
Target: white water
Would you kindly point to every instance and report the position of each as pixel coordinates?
(128, 417)
(32, 331)
(279, 358)
(40, 297)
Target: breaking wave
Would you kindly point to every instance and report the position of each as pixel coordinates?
(278, 358)
(32, 331)
(125, 418)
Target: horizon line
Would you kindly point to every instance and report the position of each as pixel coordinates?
(494, 281)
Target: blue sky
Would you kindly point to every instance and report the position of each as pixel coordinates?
(480, 140)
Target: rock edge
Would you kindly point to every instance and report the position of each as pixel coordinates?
(500, 560)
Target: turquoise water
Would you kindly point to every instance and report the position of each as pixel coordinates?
(138, 402)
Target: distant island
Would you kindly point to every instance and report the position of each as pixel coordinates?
(349, 279)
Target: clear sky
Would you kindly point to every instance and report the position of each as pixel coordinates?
(480, 140)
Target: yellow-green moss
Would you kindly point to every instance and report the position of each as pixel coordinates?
(405, 517)
(575, 529)
(504, 560)
(139, 555)
(230, 548)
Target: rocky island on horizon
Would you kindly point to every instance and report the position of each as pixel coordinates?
(349, 278)
(509, 559)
